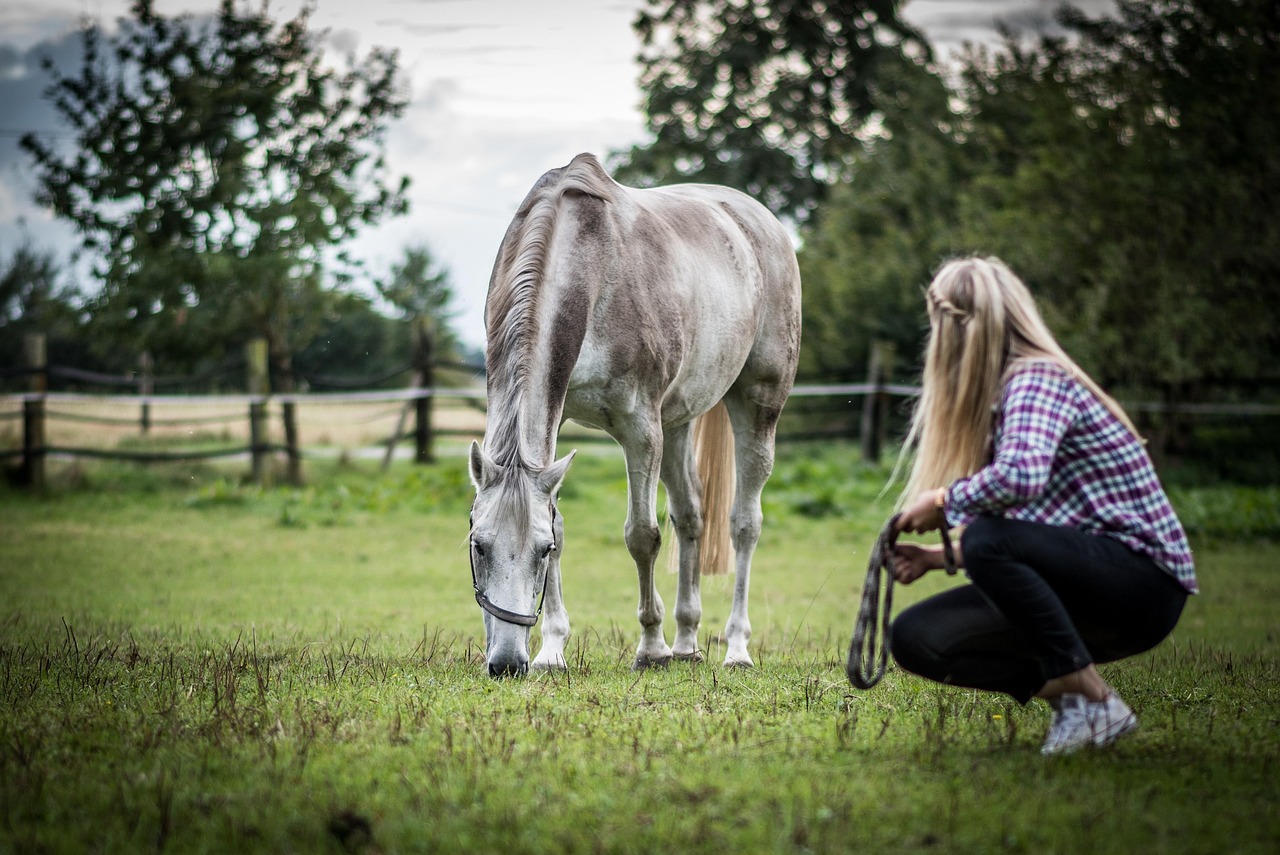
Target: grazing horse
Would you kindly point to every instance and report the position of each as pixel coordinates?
(635, 312)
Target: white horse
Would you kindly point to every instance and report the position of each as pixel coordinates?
(636, 312)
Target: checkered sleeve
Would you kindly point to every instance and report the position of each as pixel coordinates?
(1037, 408)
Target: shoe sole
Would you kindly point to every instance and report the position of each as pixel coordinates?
(1112, 732)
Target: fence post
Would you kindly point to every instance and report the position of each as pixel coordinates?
(36, 356)
(875, 406)
(423, 346)
(259, 387)
(289, 415)
(146, 387)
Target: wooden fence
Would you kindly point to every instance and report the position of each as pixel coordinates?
(419, 414)
(246, 420)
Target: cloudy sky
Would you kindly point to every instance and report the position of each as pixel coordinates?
(501, 90)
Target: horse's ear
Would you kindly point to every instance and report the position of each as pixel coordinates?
(481, 469)
(549, 479)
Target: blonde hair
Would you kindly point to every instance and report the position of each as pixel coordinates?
(983, 327)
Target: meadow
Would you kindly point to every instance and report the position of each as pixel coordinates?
(192, 664)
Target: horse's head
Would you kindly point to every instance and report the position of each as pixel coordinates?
(516, 534)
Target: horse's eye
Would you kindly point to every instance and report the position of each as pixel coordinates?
(546, 553)
(478, 548)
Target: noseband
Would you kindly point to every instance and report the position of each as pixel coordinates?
(505, 615)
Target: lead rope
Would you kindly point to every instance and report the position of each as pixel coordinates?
(869, 648)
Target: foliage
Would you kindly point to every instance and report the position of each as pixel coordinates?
(354, 343)
(763, 96)
(217, 170)
(178, 671)
(1126, 171)
(35, 299)
(868, 255)
(1134, 167)
(1229, 514)
(419, 288)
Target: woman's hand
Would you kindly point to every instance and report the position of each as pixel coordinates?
(911, 561)
(923, 514)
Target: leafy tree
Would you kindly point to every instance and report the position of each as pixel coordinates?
(217, 172)
(1128, 172)
(867, 257)
(764, 95)
(34, 298)
(420, 288)
(1137, 183)
(355, 345)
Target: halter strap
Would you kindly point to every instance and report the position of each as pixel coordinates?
(869, 647)
(506, 615)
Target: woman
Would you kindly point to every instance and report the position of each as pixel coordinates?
(1074, 553)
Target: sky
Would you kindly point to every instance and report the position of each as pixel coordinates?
(500, 92)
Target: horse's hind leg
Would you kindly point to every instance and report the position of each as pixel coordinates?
(753, 434)
(684, 507)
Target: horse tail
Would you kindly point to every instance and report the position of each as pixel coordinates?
(713, 448)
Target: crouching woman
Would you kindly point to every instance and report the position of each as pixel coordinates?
(1074, 554)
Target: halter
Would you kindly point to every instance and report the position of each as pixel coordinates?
(866, 665)
(505, 615)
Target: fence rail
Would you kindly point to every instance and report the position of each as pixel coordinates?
(38, 408)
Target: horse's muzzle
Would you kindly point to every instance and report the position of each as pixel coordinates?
(497, 670)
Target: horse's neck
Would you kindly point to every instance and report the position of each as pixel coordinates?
(527, 397)
(523, 422)
(537, 312)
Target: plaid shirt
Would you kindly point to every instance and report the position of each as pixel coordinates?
(1063, 459)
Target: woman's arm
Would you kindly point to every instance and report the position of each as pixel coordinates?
(912, 560)
(1038, 407)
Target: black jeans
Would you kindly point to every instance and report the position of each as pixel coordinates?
(1045, 601)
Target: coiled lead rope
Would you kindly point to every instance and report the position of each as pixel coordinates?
(869, 647)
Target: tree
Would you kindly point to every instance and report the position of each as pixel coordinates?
(217, 172)
(866, 258)
(420, 288)
(31, 296)
(355, 346)
(767, 95)
(1127, 171)
(34, 299)
(1137, 186)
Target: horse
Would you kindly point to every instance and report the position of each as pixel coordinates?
(638, 312)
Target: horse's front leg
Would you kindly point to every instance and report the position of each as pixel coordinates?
(551, 657)
(643, 541)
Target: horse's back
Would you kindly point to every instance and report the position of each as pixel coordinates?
(656, 297)
(701, 284)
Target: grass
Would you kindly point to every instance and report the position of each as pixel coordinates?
(188, 664)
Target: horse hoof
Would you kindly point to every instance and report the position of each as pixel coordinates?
(739, 663)
(548, 667)
(695, 657)
(644, 663)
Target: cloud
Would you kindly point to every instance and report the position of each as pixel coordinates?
(949, 24)
(24, 107)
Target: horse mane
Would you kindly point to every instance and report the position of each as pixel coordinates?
(511, 310)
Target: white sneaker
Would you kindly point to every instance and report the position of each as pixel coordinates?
(1071, 728)
(1110, 719)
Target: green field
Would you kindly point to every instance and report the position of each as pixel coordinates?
(192, 665)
